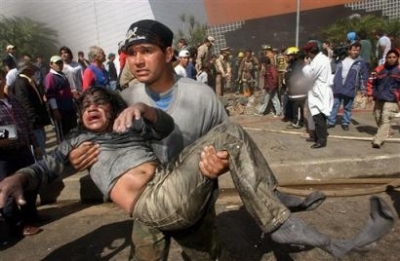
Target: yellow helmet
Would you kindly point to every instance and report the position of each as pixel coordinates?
(240, 54)
(291, 50)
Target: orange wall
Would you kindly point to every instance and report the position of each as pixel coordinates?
(227, 11)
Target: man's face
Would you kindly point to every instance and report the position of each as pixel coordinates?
(65, 56)
(148, 62)
(96, 114)
(354, 52)
(101, 56)
(57, 66)
(184, 61)
(391, 58)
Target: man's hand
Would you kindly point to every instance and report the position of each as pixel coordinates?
(84, 156)
(12, 186)
(135, 112)
(213, 163)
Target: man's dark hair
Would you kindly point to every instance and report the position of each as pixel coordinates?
(362, 34)
(355, 44)
(265, 60)
(67, 50)
(182, 41)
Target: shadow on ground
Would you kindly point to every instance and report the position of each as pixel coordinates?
(104, 243)
(245, 240)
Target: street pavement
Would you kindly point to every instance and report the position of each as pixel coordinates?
(73, 230)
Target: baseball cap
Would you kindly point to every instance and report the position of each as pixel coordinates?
(55, 58)
(184, 53)
(110, 55)
(310, 45)
(149, 31)
(266, 47)
(351, 36)
(10, 46)
(211, 39)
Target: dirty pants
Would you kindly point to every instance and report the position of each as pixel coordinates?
(179, 194)
(383, 113)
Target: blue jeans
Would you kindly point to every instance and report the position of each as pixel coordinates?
(112, 86)
(40, 135)
(273, 95)
(347, 107)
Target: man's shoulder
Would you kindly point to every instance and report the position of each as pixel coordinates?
(191, 85)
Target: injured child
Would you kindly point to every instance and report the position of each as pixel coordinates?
(175, 195)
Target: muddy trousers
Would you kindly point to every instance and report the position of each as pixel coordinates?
(383, 113)
(179, 201)
(178, 195)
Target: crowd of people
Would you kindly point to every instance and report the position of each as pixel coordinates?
(156, 137)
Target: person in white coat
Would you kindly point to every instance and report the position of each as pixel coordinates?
(320, 97)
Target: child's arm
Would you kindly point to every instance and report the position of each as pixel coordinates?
(53, 166)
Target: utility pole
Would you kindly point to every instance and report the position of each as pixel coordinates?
(297, 23)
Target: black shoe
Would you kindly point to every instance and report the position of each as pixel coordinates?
(376, 146)
(318, 145)
(345, 127)
(330, 126)
(311, 139)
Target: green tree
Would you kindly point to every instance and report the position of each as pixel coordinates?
(192, 31)
(336, 33)
(29, 36)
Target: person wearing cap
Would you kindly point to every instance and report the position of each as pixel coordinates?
(196, 110)
(60, 98)
(269, 52)
(180, 68)
(96, 74)
(248, 69)
(112, 71)
(31, 99)
(11, 54)
(204, 53)
(223, 67)
(16, 153)
(72, 70)
(320, 97)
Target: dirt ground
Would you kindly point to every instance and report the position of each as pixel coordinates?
(76, 231)
(337, 217)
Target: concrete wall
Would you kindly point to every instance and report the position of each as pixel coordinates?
(81, 24)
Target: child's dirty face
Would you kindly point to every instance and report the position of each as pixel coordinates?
(96, 113)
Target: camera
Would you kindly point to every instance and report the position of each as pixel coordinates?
(4, 134)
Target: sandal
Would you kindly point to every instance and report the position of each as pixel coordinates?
(31, 230)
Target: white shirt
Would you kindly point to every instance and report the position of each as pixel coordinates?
(202, 77)
(180, 70)
(320, 97)
(73, 72)
(11, 76)
(346, 63)
(383, 41)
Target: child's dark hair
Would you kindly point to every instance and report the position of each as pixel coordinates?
(113, 98)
